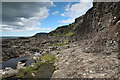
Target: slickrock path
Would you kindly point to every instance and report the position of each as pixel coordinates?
(73, 63)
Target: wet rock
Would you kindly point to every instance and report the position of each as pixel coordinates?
(21, 64)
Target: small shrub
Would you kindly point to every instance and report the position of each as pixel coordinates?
(52, 44)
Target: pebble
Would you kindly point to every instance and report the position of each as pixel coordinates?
(84, 74)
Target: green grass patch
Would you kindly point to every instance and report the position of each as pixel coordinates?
(69, 33)
(65, 40)
(64, 32)
(41, 69)
(49, 58)
(52, 44)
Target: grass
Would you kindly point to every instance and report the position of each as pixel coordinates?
(41, 69)
(69, 33)
(65, 40)
(52, 44)
(64, 33)
(61, 44)
(49, 58)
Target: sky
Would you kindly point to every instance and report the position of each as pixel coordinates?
(29, 18)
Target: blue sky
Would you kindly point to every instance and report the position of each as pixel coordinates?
(45, 18)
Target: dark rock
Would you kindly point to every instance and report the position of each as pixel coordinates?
(100, 27)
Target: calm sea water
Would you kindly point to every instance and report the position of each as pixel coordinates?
(9, 37)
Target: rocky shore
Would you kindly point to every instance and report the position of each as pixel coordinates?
(87, 48)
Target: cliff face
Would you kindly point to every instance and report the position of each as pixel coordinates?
(100, 27)
(100, 17)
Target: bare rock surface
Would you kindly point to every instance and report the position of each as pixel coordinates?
(73, 63)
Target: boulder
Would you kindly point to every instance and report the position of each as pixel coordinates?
(8, 72)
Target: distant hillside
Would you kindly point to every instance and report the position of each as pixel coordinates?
(40, 34)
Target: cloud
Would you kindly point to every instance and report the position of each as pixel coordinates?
(76, 10)
(19, 16)
(56, 12)
(16, 28)
(62, 14)
(67, 21)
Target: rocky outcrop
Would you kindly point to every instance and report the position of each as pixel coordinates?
(100, 17)
(100, 27)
